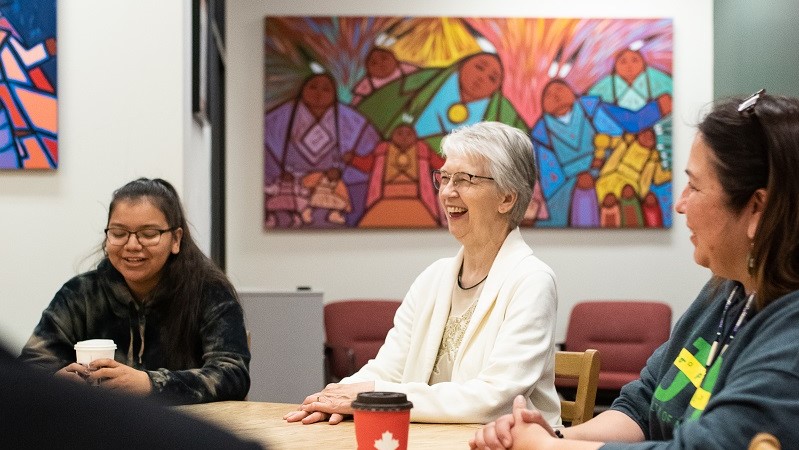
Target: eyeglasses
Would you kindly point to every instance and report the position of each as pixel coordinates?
(147, 237)
(748, 105)
(458, 179)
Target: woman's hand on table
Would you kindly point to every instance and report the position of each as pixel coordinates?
(522, 427)
(331, 404)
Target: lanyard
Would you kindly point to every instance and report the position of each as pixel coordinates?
(711, 357)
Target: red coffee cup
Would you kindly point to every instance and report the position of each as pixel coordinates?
(382, 420)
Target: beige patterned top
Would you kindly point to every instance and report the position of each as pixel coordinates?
(454, 330)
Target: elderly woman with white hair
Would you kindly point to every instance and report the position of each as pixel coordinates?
(476, 329)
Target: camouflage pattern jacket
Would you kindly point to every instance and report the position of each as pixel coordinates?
(99, 305)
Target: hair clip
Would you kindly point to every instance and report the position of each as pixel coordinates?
(749, 104)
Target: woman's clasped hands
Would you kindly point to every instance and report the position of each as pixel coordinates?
(331, 404)
(522, 429)
(110, 374)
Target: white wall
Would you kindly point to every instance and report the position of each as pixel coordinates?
(123, 98)
(197, 182)
(647, 264)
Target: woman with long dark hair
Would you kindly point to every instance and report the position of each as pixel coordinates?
(174, 315)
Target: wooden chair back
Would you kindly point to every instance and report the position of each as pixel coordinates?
(584, 367)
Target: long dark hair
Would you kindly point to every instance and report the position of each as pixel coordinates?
(185, 276)
(758, 148)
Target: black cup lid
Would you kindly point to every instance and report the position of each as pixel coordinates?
(381, 401)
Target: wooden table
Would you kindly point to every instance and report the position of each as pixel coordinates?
(263, 422)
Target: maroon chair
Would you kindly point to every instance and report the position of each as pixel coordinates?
(626, 333)
(354, 332)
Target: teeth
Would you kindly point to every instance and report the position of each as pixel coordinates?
(455, 209)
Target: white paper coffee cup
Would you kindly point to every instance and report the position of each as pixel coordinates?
(88, 351)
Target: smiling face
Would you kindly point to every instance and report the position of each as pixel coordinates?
(719, 234)
(480, 76)
(476, 213)
(141, 266)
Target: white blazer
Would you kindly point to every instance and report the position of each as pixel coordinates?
(507, 349)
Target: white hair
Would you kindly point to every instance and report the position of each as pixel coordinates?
(508, 152)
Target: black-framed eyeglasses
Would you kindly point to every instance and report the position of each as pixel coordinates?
(458, 179)
(147, 237)
(748, 105)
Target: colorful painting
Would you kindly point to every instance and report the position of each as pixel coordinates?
(355, 109)
(28, 95)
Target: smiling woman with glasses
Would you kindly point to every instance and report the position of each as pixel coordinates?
(730, 367)
(173, 315)
(478, 328)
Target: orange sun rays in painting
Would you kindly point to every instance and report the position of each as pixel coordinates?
(355, 109)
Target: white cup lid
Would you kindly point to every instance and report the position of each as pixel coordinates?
(95, 344)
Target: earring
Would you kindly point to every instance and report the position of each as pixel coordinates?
(749, 258)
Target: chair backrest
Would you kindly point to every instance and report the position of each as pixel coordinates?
(584, 367)
(626, 333)
(764, 441)
(354, 332)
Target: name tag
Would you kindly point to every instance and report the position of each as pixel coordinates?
(700, 399)
(691, 367)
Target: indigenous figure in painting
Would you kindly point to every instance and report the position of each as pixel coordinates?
(564, 142)
(584, 204)
(468, 96)
(653, 218)
(28, 104)
(401, 193)
(633, 84)
(609, 212)
(382, 67)
(310, 134)
(630, 205)
(329, 200)
(465, 93)
(285, 202)
(642, 98)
